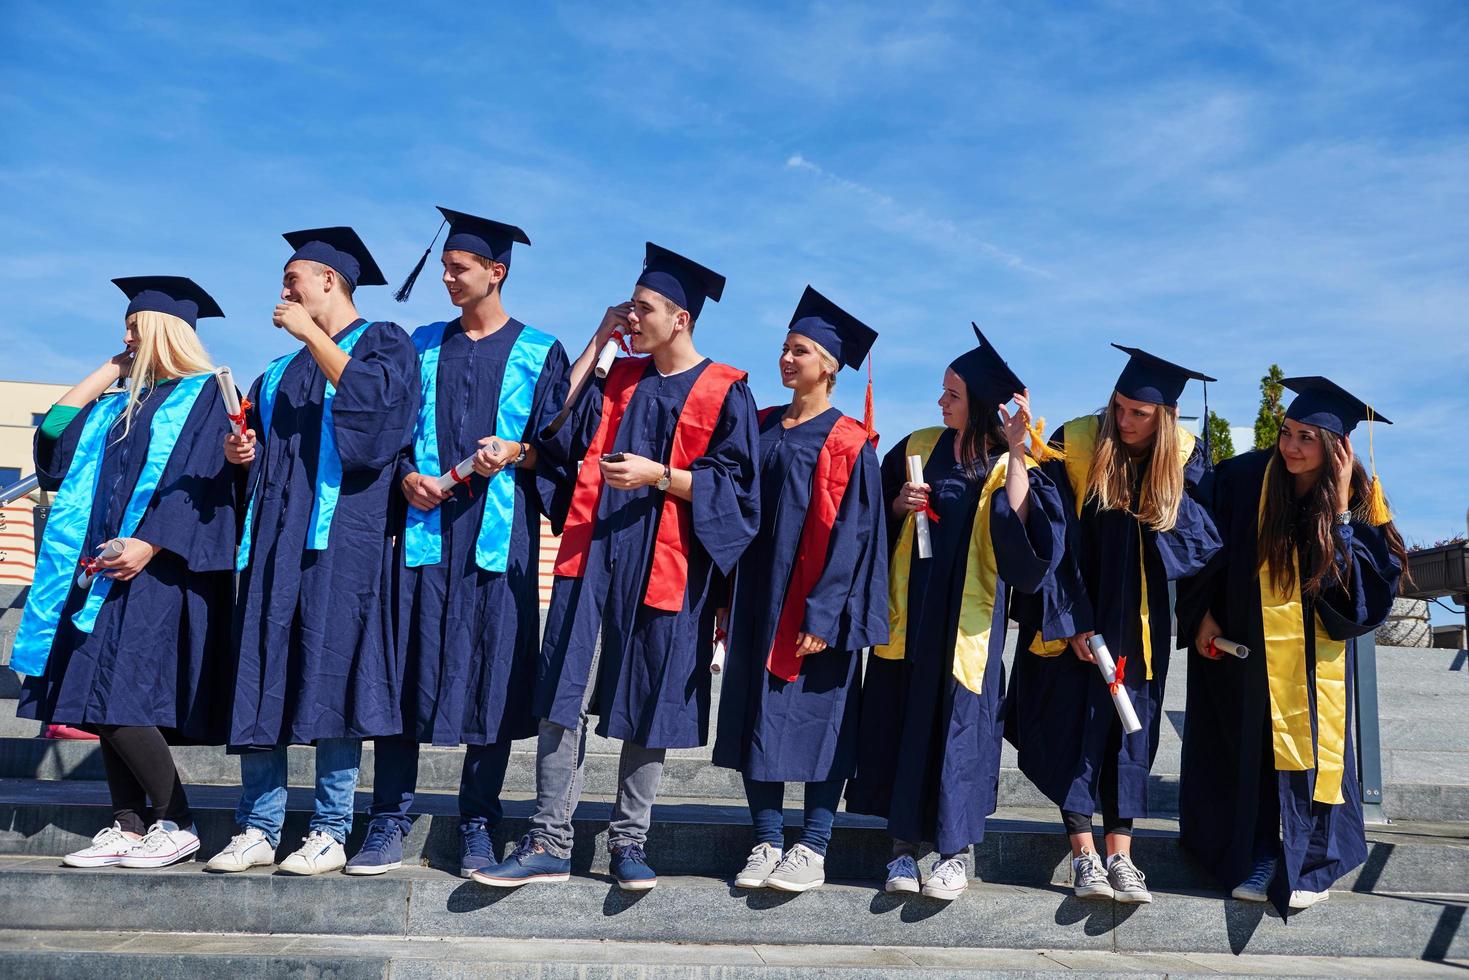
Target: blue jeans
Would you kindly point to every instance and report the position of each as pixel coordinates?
(263, 781)
(767, 803)
(395, 776)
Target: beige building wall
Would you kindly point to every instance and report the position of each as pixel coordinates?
(20, 403)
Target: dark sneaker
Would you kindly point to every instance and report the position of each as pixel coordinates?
(478, 851)
(529, 863)
(1256, 888)
(381, 851)
(630, 868)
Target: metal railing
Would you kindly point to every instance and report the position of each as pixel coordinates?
(17, 490)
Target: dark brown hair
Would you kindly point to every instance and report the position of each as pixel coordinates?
(1320, 546)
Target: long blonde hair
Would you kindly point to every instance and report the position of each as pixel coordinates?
(1110, 482)
(168, 348)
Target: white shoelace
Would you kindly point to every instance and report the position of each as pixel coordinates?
(1089, 870)
(155, 840)
(948, 873)
(110, 835)
(1128, 875)
(241, 841)
(760, 855)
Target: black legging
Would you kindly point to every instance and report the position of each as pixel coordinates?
(140, 768)
(1081, 823)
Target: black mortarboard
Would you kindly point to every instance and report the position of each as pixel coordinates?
(682, 280)
(844, 336)
(1321, 401)
(1149, 378)
(339, 248)
(988, 377)
(468, 233)
(175, 295)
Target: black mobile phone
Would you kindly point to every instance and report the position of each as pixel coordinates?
(614, 457)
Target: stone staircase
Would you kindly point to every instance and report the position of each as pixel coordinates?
(1401, 914)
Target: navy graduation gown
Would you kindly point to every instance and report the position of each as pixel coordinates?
(652, 679)
(468, 638)
(806, 729)
(159, 653)
(1061, 714)
(1231, 794)
(929, 748)
(314, 628)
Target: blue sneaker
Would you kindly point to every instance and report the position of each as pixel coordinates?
(630, 868)
(529, 863)
(478, 850)
(381, 851)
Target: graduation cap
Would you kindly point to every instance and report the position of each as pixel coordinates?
(468, 233)
(684, 281)
(988, 377)
(339, 248)
(1149, 378)
(844, 336)
(1322, 402)
(175, 295)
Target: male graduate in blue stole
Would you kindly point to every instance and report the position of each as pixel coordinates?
(665, 502)
(315, 657)
(467, 590)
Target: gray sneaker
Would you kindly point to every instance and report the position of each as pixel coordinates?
(1129, 885)
(802, 869)
(762, 862)
(1088, 877)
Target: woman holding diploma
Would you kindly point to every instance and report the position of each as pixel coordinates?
(140, 654)
(810, 595)
(929, 744)
(1311, 561)
(1126, 476)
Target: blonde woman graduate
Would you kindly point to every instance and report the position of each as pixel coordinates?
(810, 595)
(1270, 800)
(145, 513)
(929, 745)
(1127, 476)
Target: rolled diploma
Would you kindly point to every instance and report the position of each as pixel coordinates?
(716, 665)
(1232, 648)
(606, 357)
(457, 474)
(1108, 667)
(231, 397)
(920, 522)
(111, 549)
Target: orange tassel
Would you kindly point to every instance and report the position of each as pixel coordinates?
(1040, 450)
(867, 414)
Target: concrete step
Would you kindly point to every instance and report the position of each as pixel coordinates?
(44, 955)
(424, 902)
(1021, 846)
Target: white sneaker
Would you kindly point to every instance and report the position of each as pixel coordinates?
(247, 849)
(107, 849)
(763, 860)
(946, 880)
(902, 875)
(319, 853)
(164, 844)
(1088, 877)
(1256, 887)
(1129, 885)
(1303, 899)
(801, 870)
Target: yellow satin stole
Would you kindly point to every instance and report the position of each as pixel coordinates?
(981, 575)
(1283, 619)
(1080, 447)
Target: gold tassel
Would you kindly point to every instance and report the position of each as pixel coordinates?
(1040, 450)
(1378, 512)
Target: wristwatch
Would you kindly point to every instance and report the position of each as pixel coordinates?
(665, 479)
(521, 458)
(1344, 519)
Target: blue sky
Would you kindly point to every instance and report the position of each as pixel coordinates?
(1226, 184)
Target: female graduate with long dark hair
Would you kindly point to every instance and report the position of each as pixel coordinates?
(1126, 477)
(145, 646)
(1311, 561)
(810, 595)
(929, 745)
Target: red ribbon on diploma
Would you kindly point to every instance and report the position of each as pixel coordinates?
(90, 565)
(454, 475)
(927, 511)
(239, 420)
(1116, 685)
(621, 340)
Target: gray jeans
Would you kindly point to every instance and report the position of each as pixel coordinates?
(560, 757)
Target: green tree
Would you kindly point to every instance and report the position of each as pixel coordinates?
(1267, 423)
(1221, 446)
